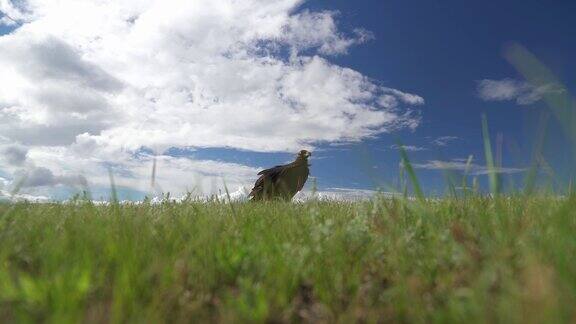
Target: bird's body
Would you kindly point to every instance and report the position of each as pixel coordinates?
(282, 181)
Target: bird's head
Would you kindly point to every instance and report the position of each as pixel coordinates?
(304, 155)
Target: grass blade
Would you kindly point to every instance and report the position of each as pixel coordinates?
(113, 192)
(492, 171)
(466, 172)
(153, 176)
(410, 170)
(530, 181)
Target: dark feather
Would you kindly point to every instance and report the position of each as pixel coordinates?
(271, 170)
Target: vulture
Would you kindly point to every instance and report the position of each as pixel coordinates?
(282, 181)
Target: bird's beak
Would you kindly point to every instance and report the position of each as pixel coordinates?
(308, 154)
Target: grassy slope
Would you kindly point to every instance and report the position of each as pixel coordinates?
(509, 260)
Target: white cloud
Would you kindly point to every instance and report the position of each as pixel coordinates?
(84, 83)
(521, 92)
(178, 175)
(407, 98)
(14, 154)
(11, 12)
(43, 177)
(444, 140)
(8, 197)
(408, 148)
(461, 165)
(318, 30)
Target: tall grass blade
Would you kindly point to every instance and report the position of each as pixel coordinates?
(113, 192)
(475, 185)
(561, 103)
(230, 203)
(499, 144)
(466, 172)
(314, 187)
(402, 180)
(534, 167)
(450, 180)
(548, 170)
(18, 186)
(367, 165)
(410, 170)
(86, 192)
(153, 176)
(492, 171)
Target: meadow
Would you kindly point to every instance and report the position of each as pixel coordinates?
(462, 259)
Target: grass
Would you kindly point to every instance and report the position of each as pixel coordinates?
(471, 259)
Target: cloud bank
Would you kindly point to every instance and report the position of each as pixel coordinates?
(85, 85)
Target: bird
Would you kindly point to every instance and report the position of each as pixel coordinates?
(282, 182)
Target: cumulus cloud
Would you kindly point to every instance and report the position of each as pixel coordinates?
(14, 154)
(11, 13)
(319, 30)
(98, 81)
(43, 177)
(523, 93)
(461, 165)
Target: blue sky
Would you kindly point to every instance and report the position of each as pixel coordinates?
(450, 53)
(439, 50)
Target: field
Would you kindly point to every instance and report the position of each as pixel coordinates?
(472, 259)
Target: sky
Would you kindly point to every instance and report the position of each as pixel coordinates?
(215, 91)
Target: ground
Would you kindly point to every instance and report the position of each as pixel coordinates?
(471, 259)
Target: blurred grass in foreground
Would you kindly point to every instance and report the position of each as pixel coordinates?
(470, 259)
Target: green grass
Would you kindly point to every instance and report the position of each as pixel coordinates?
(471, 259)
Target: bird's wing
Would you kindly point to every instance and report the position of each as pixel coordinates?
(272, 174)
(302, 179)
(273, 170)
(269, 175)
